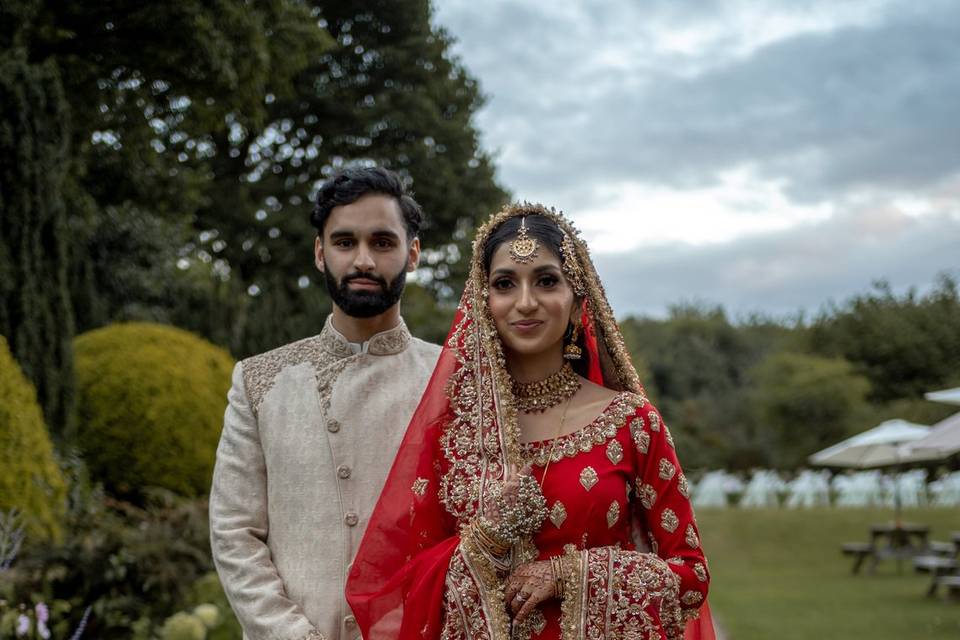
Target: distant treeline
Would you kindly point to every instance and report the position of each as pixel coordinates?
(765, 393)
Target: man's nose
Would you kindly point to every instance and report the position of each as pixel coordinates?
(363, 261)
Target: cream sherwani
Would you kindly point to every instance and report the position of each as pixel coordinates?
(309, 435)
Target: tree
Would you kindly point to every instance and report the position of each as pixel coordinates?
(906, 345)
(804, 403)
(35, 310)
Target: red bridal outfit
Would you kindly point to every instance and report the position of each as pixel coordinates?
(617, 502)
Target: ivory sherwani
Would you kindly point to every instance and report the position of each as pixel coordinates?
(309, 435)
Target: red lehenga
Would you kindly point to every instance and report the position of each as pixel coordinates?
(618, 502)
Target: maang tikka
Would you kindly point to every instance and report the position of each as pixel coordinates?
(524, 248)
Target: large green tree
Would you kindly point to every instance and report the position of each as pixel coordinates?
(904, 344)
(35, 311)
(804, 403)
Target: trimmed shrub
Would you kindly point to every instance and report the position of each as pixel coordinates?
(150, 402)
(30, 480)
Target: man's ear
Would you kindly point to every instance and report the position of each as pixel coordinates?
(318, 254)
(413, 255)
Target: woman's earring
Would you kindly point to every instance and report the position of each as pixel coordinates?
(571, 350)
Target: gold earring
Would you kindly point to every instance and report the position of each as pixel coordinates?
(571, 350)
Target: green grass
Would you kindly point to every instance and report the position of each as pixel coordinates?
(779, 574)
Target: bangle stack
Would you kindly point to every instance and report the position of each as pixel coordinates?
(488, 539)
(556, 567)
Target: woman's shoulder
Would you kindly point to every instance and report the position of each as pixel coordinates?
(598, 396)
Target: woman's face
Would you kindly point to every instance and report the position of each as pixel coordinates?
(531, 303)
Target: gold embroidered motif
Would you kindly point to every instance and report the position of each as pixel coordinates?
(691, 537)
(260, 371)
(640, 437)
(604, 427)
(613, 514)
(683, 487)
(669, 520)
(700, 571)
(420, 486)
(666, 469)
(669, 437)
(654, 421)
(558, 513)
(647, 494)
(588, 478)
(614, 452)
(676, 560)
(691, 598)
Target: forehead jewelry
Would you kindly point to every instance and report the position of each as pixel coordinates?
(524, 248)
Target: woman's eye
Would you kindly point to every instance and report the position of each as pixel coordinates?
(547, 281)
(502, 284)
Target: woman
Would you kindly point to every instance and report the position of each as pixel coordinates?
(528, 493)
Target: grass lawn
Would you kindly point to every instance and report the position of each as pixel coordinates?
(779, 575)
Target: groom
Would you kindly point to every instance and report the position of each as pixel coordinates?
(312, 427)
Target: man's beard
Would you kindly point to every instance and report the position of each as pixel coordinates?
(365, 304)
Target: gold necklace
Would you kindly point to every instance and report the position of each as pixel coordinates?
(536, 397)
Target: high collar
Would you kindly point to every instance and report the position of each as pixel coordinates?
(385, 343)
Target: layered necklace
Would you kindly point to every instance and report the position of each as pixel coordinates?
(536, 397)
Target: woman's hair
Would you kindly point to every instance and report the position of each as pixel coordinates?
(549, 235)
(539, 227)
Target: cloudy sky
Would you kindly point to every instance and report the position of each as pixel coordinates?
(764, 155)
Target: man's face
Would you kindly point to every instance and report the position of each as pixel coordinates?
(364, 255)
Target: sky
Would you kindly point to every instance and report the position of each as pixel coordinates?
(768, 156)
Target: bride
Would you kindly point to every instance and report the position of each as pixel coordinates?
(537, 492)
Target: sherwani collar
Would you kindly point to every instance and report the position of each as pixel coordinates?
(385, 343)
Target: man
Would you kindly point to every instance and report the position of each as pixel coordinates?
(311, 428)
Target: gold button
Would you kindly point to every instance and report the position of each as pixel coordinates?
(350, 622)
(351, 519)
(333, 426)
(343, 471)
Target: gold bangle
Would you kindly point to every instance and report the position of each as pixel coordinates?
(556, 567)
(486, 540)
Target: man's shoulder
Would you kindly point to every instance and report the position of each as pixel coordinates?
(260, 371)
(423, 351)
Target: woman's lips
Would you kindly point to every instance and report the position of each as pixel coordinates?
(526, 325)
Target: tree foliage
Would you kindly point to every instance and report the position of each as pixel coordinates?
(31, 482)
(35, 312)
(150, 407)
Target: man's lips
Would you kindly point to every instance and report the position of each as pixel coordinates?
(364, 283)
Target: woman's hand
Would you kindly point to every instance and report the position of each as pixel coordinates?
(528, 586)
(498, 502)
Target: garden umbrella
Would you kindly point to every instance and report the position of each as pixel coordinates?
(949, 396)
(942, 442)
(877, 447)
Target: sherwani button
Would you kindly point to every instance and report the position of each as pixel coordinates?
(351, 519)
(333, 426)
(350, 622)
(343, 471)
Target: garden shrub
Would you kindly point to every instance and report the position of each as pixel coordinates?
(150, 402)
(30, 479)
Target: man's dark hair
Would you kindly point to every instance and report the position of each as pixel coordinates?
(349, 185)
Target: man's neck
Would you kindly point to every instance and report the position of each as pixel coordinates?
(362, 329)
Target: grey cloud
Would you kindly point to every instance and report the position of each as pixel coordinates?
(868, 106)
(780, 274)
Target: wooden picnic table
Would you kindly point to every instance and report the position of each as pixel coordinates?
(896, 540)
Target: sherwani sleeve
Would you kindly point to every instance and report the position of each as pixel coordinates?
(239, 527)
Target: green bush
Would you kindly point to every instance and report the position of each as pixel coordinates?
(30, 480)
(150, 401)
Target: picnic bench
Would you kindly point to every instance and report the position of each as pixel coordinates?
(888, 540)
(942, 562)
